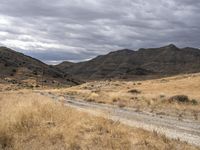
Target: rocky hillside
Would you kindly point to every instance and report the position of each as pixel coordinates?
(19, 68)
(167, 60)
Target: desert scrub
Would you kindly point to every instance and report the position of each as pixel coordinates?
(182, 99)
(179, 99)
(194, 102)
(134, 91)
(42, 124)
(31, 121)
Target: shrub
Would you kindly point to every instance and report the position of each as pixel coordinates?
(14, 70)
(12, 74)
(5, 140)
(183, 99)
(35, 72)
(162, 96)
(121, 104)
(134, 91)
(179, 99)
(194, 102)
(114, 100)
(6, 65)
(37, 86)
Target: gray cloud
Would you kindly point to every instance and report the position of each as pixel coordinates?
(80, 29)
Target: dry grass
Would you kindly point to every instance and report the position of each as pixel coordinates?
(30, 122)
(150, 95)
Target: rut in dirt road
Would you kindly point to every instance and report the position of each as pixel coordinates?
(184, 130)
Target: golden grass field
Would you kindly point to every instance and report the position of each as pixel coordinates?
(29, 121)
(149, 95)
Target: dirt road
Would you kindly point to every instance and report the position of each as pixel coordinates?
(184, 130)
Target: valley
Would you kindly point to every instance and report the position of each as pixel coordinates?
(45, 107)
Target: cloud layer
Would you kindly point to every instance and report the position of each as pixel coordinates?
(81, 29)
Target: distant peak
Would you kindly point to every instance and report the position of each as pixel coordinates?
(122, 51)
(3, 47)
(171, 46)
(126, 49)
(141, 49)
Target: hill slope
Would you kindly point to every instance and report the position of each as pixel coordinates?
(20, 67)
(167, 60)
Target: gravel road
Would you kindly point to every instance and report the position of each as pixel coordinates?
(184, 130)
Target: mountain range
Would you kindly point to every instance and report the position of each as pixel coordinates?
(122, 64)
(150, 62)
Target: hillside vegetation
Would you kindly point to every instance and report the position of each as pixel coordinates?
(25, 71)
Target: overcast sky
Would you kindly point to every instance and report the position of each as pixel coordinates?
(76, 30)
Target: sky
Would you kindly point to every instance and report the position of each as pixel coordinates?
(78, 30)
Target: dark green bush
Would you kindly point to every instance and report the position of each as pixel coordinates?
(179, 99)
(194, 102)
(182, 99)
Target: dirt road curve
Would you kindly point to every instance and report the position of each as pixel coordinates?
(185, 130)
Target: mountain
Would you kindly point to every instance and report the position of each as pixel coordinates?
(167, 60)
(20, 68)
(65, 64)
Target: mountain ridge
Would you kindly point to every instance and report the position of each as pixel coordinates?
(20, 67)
(126, 63)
